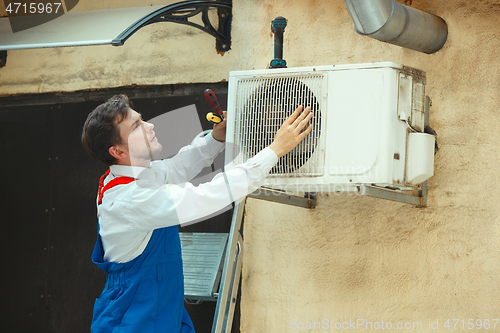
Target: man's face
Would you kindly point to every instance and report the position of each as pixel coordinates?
(138, 139)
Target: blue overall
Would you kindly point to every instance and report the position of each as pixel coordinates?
(146, 294)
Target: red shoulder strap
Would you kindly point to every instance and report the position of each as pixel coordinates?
(111, 183)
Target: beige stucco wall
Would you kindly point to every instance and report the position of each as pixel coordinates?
(370, 259)
(352, 257)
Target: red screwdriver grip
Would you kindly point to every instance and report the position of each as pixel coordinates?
(212, 100)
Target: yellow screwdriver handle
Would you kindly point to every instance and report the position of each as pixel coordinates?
(214, 118)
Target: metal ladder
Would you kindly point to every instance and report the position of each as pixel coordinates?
(212, 261)
(212, 268)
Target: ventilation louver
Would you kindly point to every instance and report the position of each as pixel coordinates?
(263, 106)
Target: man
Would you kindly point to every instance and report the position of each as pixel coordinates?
(141, 201)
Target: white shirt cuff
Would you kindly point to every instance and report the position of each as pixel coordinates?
(266, 157)
(214, 145)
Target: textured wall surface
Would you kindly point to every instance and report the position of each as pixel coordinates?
(352, 257)
(365, 258)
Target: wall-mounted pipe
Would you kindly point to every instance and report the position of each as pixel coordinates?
(392, 22)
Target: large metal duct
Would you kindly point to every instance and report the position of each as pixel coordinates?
(392, 22)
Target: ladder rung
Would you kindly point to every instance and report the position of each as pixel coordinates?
(202, 255)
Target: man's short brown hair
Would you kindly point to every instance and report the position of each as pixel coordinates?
(101, 131)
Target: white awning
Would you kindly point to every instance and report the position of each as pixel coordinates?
(94, 27)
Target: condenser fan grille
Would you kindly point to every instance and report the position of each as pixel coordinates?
(262, 105)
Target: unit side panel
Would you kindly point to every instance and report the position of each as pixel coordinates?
(390, 127)
(400, 128)
(357, 141)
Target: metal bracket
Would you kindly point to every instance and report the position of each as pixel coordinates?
(3, 58)
(419, 198)
(308, 201)
(181, 12)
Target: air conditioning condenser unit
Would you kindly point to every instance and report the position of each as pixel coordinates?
(368, 125)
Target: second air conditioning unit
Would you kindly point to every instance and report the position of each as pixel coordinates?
(368, 124)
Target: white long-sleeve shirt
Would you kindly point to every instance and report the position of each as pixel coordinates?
(162, 196)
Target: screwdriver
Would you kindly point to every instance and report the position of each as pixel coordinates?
(212, 100)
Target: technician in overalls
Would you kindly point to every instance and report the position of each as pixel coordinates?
(141, 201)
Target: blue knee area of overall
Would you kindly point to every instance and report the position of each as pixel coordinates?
(145, 294)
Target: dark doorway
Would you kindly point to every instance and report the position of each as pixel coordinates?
(49, 215)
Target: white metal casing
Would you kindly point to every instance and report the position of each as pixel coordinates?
(420, 164)
(366, 112)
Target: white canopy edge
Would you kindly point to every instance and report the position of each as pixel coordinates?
(96, 27)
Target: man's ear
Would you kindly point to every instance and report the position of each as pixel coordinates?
(117, 153)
